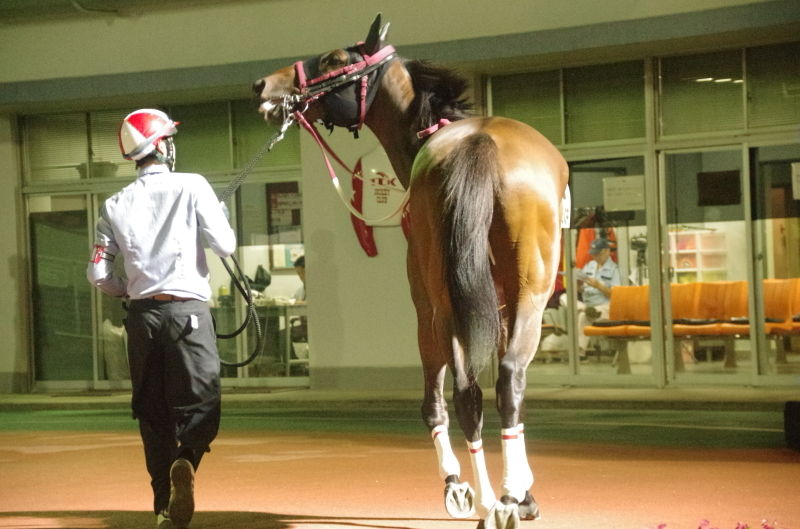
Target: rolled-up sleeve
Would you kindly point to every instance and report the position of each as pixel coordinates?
(213, 222)
(100, 271)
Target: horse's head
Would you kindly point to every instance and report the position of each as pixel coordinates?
(336, 87)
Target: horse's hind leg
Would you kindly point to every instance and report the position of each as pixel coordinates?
(468, 403)
(458, 497)
(511, 383)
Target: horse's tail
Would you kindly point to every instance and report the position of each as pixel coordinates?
(471, 180)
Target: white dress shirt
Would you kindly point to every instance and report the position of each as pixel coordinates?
(156, 223)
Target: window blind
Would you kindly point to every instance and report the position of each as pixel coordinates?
(604, 102)
(203, 142)
(701, 93)
(532, 98)
(773, 85)
(107, 160)
(56, 146)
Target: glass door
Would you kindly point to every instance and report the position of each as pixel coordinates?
(269, 239)
(605, 260)
(776, 196)
(112, 339)
(708, 266)
(61, 295)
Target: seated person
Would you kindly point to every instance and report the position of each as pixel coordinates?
(600, 275)
(299, 324)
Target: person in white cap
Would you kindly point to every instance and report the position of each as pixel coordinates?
(156, 224)
(601, 274)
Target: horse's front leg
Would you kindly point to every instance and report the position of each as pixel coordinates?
(511, 384)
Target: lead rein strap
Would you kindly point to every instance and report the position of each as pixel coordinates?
(323, 146)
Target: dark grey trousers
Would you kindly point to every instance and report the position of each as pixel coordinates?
(174, 364)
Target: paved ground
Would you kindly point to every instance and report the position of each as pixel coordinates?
(313, 462)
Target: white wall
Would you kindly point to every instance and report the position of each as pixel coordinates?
(360, 312)
(253, 31)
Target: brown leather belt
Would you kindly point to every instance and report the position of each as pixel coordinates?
(170, 297)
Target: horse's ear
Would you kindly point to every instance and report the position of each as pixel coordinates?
(373, 42)
(384, 31)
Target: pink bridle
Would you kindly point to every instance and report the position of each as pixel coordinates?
(359, 71)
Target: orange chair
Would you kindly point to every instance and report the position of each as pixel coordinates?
(795, 308)
(736, 306)
(705, 316)
(699, 313)
(629, 319)
(780, 304)
(684, 299)
(629, 306)
(640, 313)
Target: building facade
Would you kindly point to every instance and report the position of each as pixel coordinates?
(680, 122)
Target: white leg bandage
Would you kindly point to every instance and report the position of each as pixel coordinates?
(528, 477)
(516, 471)
(448, 464)
(484, 495)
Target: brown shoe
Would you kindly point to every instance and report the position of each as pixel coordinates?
(181, 497)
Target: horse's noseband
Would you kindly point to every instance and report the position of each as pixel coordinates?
(349, 90)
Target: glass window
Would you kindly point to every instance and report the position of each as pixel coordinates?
(268, 262)
(773, 85)
(56, 147)
(62, 306)
(777, 227)
(701, 93)
(113, 339)
(604, 102)
(107, 160)
(251, 133)
(610, 236)
(706, 229)
(203, 141)
(532, 98)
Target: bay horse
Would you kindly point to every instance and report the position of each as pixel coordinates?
(484, 225)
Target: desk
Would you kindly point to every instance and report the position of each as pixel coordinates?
(287, 312)
(277, 340)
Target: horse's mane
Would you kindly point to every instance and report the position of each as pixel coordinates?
(438, 94)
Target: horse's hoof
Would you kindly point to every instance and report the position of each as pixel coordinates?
(459, 500)
(528, 509)
(502, 515)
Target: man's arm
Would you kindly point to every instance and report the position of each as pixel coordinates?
(213, 221)
(100, 271)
